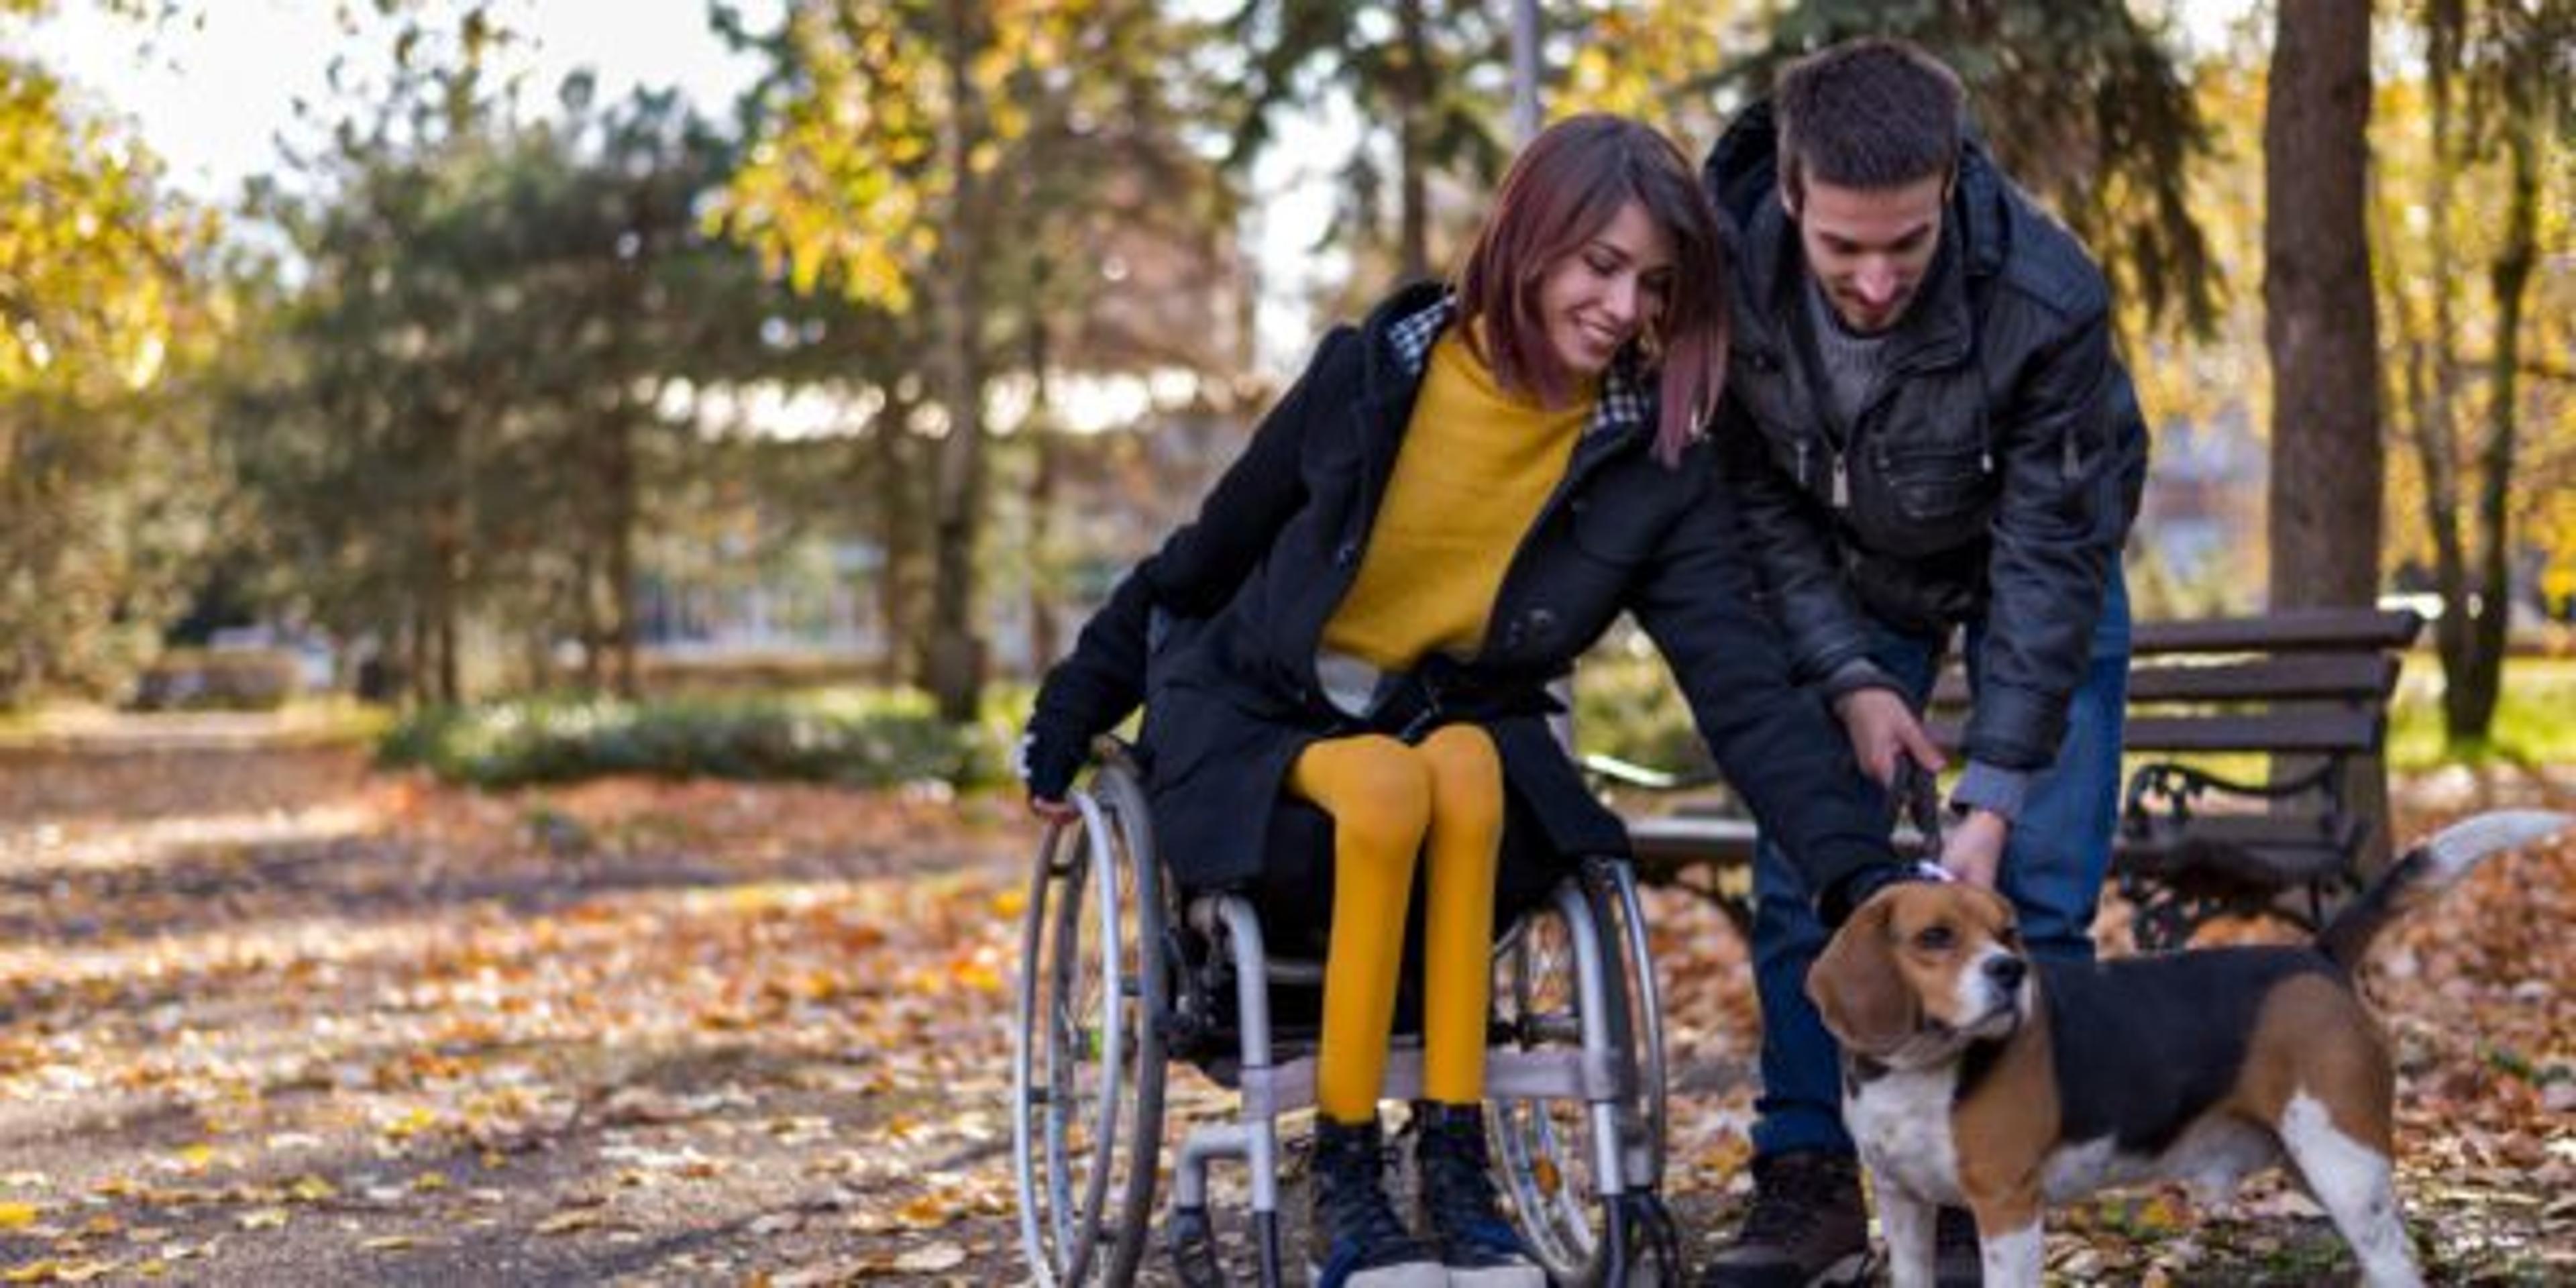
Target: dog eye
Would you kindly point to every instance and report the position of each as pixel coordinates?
(1935, 939)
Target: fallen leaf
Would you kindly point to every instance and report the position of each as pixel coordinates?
(931, 1258)
(569, 1222)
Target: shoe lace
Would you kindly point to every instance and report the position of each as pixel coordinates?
(1355, 1202)
(1458, 1190)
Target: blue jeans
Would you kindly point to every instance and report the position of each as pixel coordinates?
(2052, 870)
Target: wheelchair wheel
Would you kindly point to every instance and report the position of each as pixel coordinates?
(1548, 1155)
(1087, 1062)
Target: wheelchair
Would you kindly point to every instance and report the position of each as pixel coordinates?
(1122, 975)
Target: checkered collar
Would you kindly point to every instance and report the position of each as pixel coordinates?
(1625, 402)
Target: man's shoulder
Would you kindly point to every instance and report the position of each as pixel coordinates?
(2044, 264)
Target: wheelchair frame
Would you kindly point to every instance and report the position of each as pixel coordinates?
(1574, 1085)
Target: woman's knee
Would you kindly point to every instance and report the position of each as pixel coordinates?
(1377, 790)
(1466, 776)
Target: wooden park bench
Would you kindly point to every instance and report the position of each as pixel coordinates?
(2201, 835)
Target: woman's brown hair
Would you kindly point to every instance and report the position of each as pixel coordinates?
(1562, 190)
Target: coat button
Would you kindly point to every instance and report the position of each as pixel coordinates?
(1542, 624)
(1350, 551)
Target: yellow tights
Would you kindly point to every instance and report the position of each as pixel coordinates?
(1392, 803)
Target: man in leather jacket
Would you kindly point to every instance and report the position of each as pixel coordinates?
(1926, 429)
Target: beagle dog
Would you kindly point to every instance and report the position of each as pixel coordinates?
(1978, 1078)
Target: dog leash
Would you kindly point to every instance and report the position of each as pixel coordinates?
(1918, 801)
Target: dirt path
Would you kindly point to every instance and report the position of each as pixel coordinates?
(268, 1018)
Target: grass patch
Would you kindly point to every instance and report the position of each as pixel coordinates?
(865, 737)
(2535, 720)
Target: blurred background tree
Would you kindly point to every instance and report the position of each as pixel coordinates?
(2469, 206)
(112, 322)
(969, 155)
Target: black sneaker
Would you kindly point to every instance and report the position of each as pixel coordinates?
(1958, 1260)
(1807, 1227)
(1354, 1238)
(1459, 1203)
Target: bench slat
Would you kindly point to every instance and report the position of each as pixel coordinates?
(2360, 677)
(2305, 629)
(2367, 677)
(2273, 731)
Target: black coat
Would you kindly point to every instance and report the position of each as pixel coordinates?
(1233, 696)
(1995, 473)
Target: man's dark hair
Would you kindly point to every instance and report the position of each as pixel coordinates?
(1870, 113)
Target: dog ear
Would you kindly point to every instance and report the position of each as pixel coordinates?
(1865, 1001)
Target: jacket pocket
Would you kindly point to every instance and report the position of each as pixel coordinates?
(1624, 533)
(1939, 484)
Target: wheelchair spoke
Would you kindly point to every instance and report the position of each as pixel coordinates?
(1550, 1156)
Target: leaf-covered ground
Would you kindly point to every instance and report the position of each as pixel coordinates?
(267, 1018)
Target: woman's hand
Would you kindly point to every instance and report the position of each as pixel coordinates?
(1053, 811)
(1883, 727)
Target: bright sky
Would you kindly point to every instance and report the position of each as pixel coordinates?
(209, 96)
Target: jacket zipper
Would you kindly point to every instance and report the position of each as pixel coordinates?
(1914, 363)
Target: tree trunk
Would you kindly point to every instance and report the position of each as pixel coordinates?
(594, 631)
(451, 669)
(1044, 636)
(955, 662)
(445, 593)
(1413, 87)
(2326, 480)
(898, 587)
(2432, 405)
(2469, 699)
(2327, 471)
(415, 657)
(624, 505)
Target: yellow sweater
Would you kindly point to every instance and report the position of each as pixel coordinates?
(1476, 465)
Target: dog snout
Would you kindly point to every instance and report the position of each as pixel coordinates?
(2007, 972)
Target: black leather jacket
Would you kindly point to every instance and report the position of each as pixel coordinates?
(1995, 472)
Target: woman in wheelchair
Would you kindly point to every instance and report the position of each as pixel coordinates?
(1455, 500)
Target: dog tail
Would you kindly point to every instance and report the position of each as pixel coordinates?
(2426, 871)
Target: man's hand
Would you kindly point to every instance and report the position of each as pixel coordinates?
(1974, 850)
(1054, 811)
(1883, 727)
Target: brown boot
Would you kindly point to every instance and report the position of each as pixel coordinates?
(1807, 1228)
